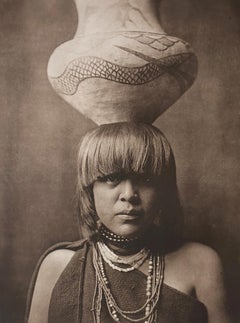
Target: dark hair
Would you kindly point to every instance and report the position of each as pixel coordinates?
(126, 147)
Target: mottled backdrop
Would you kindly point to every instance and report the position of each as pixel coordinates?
(39, 135)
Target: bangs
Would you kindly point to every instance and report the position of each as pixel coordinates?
(123, 148)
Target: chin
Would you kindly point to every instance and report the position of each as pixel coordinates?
(129, 230)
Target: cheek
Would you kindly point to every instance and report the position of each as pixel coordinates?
(104, 201)
(101, 204)
(98, 205)
(151, 198)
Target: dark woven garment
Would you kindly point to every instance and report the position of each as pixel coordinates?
(72, 296)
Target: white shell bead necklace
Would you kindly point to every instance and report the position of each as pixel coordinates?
(132, 261)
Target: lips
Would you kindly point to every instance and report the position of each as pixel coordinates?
(130, 214)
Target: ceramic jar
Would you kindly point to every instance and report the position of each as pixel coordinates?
(121, 65)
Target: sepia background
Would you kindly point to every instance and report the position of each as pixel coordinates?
(39, 135)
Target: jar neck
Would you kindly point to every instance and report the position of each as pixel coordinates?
(117, 15)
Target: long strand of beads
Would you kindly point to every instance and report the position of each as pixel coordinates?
(110, 305)
(149, 286)
(97, 302)
(113, 308)
(123, 313)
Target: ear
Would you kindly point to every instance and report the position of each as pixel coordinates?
(98, 223)
(158, 219)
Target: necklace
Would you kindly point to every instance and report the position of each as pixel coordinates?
(147, 312)
(117, 240)
(130, 262)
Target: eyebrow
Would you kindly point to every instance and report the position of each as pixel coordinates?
(124, 175)
(117, 174)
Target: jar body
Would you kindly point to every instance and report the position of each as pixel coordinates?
(122, 75)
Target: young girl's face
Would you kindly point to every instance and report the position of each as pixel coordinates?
(127, 204)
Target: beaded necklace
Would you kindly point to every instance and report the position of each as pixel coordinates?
(117, 240)
(128, 263)
(147, 312)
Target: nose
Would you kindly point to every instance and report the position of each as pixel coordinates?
(129, 192)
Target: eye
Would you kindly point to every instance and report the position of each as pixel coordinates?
(148, 179)
(112, 179)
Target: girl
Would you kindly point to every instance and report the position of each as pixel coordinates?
(132, 265)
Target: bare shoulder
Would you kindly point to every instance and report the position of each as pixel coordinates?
(56, 260)
(49, 272)
(189, 265)
(200, 255)
(208, 279)
(203, 262)
(52, 267)
(207, 265)
(196, 256)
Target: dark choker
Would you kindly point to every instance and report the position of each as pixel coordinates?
(119, 241)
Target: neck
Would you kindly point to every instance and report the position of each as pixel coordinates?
(114, 15)
(124, 251)
(120, 244)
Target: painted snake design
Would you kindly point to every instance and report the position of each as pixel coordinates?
(87, 67)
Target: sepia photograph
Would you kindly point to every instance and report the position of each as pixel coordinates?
(119, 161)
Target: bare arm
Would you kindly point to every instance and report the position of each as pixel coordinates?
(49, 272)
(210, 285)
